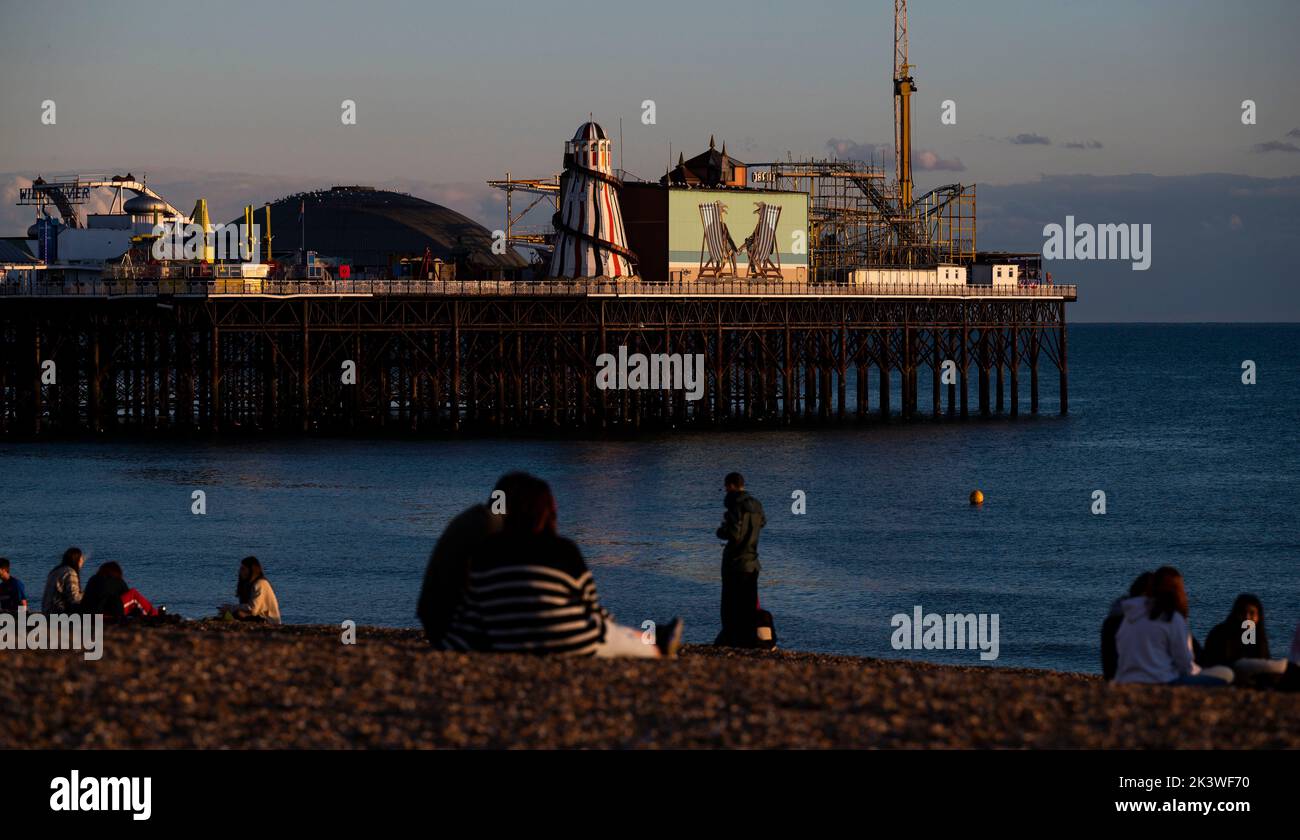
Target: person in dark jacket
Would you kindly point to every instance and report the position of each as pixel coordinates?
(108, 593)
(63, 584)
(741, 524)
(1224, 645)
(1109, 652)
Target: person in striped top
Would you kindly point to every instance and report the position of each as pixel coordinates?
(529, 591)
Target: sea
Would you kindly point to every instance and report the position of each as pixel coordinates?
(865, 522)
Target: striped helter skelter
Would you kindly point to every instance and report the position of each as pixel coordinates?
(590, 240)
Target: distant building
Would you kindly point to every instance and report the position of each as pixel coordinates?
(709, 169)
(369, 228)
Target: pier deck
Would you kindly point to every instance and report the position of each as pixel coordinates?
(451, 356)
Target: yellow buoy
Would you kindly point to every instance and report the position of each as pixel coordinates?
(976, 497)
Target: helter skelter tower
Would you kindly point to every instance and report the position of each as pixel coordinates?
(589, 236)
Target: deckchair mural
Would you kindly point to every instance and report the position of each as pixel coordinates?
(718, 249)
(764, 260)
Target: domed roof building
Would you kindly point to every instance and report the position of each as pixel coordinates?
(374, 228)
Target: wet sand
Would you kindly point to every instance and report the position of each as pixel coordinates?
(214, 685)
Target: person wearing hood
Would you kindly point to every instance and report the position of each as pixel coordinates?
(63, 584)
(741, 524)
(1109, 653)
(1153, 640)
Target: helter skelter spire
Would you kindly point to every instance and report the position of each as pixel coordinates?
(589, 236)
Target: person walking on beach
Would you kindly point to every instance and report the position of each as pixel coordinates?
(447, 574)
(12, 594)
(63, 584)
(256, 597)
(530, 591)
(741, 524)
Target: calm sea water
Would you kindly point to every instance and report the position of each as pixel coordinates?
(1199, 471)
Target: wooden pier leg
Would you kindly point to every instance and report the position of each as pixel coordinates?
(1065, 368)
(790, 388)
(35, 422)
(884, 361)
(1033, 371)
(214, 379)
(984, 372)
(165, 364)
(936, 404)
(842, 372)
(152, 369)
(913, 373)
(862, 406)
(453, 402)
(809, 377)
(1000, 341)
(1015, 371)
(965, 371)
(304, 375)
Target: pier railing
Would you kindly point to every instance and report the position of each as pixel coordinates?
(36, 286)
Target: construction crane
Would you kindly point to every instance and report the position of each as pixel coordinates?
(903, 87)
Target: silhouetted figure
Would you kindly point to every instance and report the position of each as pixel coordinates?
(741, 524)
(447, 573)
(529, 591)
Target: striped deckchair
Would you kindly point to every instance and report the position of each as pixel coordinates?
(720, 246)
(764, 259)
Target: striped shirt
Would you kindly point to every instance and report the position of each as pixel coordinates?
(528, 593)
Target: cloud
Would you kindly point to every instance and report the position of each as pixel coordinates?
(929, 161)
(1083, 144)
(1029, 140)
(1276, 146)
(853, 150)
(1295, 132)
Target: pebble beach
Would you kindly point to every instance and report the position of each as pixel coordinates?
(212, 684)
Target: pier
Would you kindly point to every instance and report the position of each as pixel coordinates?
(439, 357)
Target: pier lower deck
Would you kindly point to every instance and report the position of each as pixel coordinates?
(444, 362)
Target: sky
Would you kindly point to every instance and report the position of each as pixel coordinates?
(1058, 104)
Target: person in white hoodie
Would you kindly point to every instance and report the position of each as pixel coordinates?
(1154, 641)
(256, 597)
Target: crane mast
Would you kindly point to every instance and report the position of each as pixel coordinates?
(903, 87)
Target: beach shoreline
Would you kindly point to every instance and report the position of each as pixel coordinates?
(214, 685)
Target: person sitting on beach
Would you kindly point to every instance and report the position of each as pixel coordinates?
(1109, 653)
(108, 594)
(257, 599)
(63, 584)
(530, 591)
(1240, 645)
(12, 593)
(1154, 642)
(447, 574)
